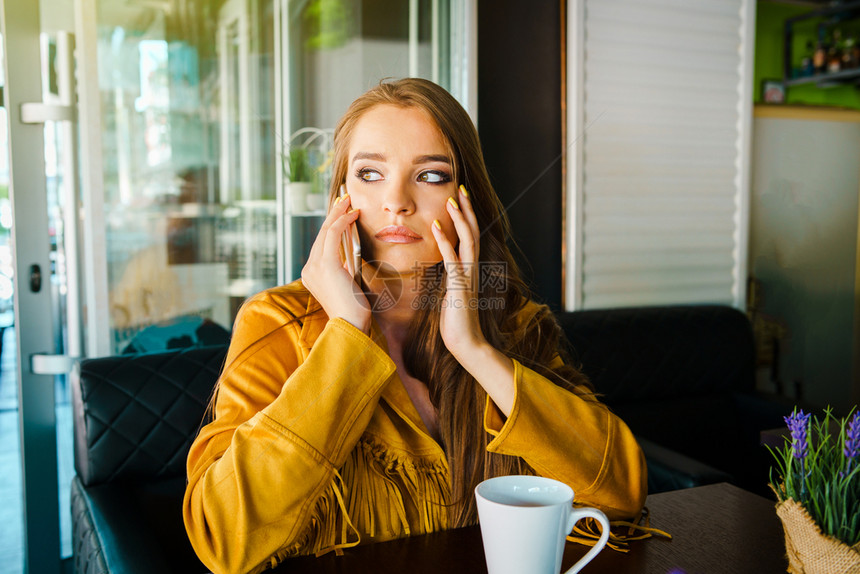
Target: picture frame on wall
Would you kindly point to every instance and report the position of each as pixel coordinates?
(773, 91)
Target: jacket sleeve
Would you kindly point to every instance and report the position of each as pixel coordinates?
(572, 438)
(283, 424)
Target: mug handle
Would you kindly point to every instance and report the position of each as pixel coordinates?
(576, 514)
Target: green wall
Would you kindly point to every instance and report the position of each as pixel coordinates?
(770, 20)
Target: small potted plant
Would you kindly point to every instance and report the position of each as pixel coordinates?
(308, 167)
(818, 491)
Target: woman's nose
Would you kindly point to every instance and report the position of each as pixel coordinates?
(398, 198)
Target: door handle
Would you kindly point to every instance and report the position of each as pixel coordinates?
(39, 113)
(45, 364)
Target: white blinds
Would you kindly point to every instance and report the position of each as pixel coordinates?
(659, 106)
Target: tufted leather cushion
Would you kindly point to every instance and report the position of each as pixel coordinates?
(136, 415)
(131, 528)
(683, 378)
(650, 353)
(88, 549)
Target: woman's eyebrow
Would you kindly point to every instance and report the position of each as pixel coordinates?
(431, 159)
(368, 155)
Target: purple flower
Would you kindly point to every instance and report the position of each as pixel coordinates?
(852, 440)
(798, 424)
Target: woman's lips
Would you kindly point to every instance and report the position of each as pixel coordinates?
(398, 234)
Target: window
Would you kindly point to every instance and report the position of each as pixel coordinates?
(658, 144)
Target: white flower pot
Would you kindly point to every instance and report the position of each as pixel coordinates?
(298, 191)
(315, 201)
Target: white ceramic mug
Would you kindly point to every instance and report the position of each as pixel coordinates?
(524, 522)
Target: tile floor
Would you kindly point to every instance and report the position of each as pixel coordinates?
(11, 508)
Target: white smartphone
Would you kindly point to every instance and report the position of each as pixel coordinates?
(351, 246)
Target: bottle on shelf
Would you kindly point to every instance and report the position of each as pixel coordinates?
(819, 58)
(848, 54)
(834, 53)
(807, 68)
(853, 52)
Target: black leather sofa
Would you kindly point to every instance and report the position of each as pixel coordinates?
(134, 419)
(681, 377)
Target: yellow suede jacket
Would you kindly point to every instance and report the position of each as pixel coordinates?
(316, 445)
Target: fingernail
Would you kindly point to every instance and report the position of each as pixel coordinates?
(437, 225)
(463, 189)
(453, 203)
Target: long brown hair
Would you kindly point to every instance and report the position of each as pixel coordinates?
(534, 340)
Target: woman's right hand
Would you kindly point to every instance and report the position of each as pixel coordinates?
(325, 274)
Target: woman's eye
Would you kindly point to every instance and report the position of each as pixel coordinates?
(368, 175)
(434, 177)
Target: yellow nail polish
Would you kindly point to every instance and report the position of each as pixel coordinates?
(453, 203)
(463, 189)
(437, 225)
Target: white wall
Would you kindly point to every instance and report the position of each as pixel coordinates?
(803, 246)
(342, 74)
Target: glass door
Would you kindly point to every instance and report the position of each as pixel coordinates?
(181, 246)
(11, 528)
(33, 184)
(204, 106)
(146, 223)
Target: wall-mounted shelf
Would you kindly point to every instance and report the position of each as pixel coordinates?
(831, 17)
(827, 80)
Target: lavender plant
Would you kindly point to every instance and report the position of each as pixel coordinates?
(822, 472)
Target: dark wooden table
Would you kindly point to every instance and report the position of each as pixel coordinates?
(717, 528)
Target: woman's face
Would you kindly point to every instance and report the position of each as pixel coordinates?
(400, 177)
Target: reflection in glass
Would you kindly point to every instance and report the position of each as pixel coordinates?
(202, 102)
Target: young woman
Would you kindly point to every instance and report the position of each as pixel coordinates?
(349, 414)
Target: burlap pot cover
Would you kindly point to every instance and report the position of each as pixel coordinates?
(809, 550)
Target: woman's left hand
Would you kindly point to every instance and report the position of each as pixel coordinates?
(459, 325)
